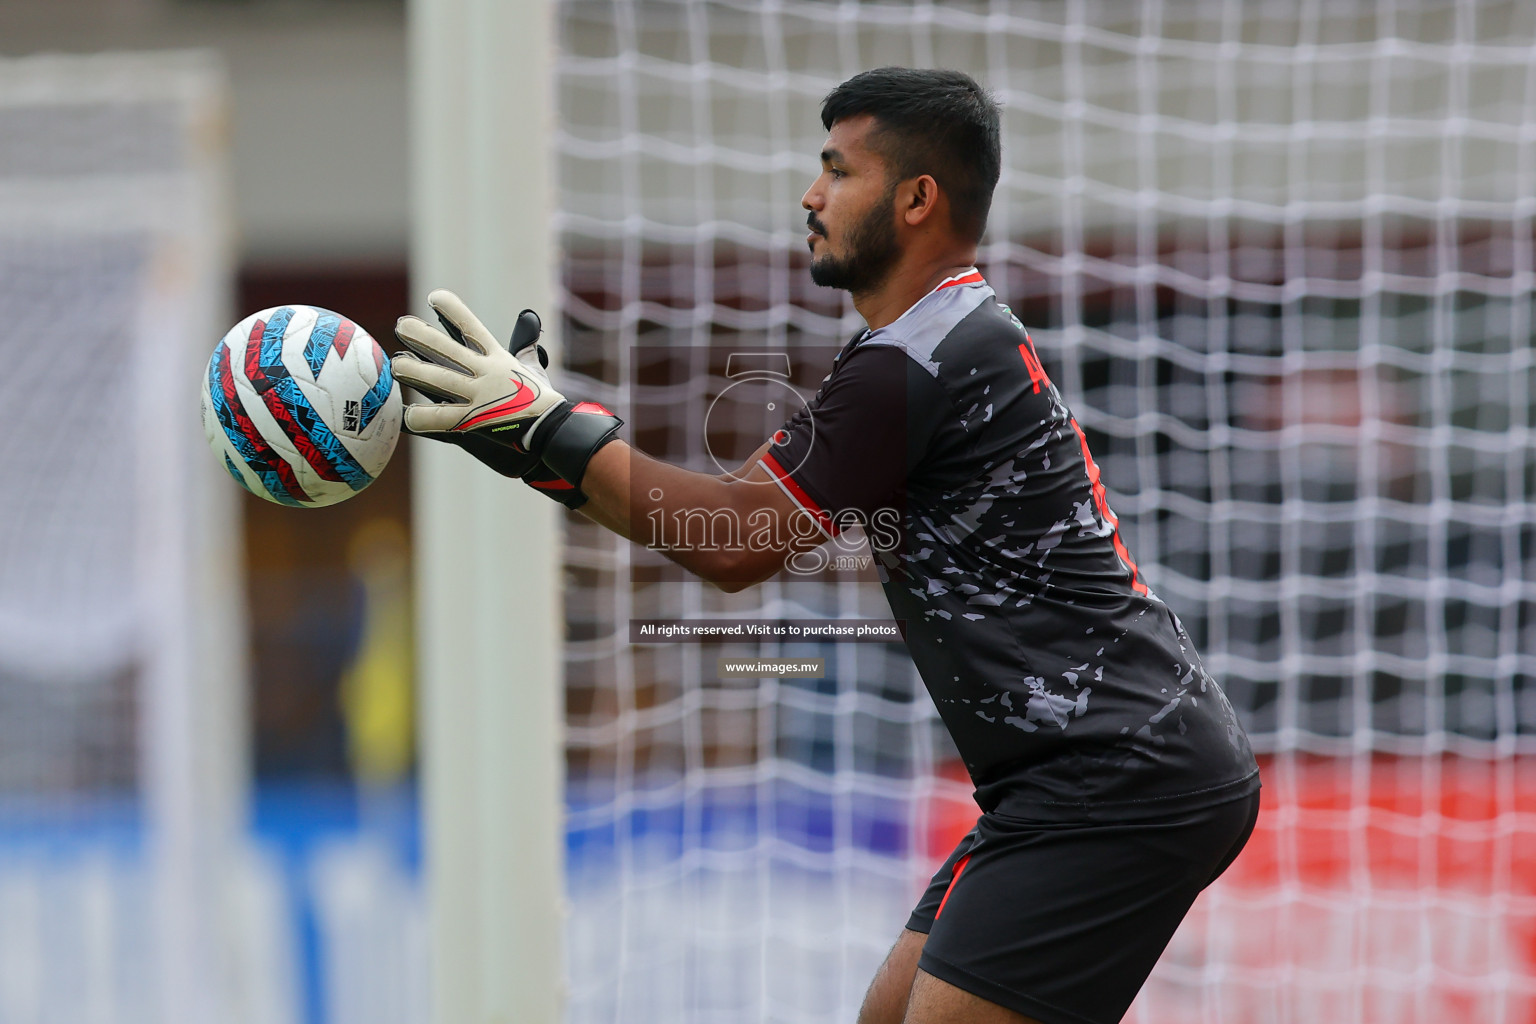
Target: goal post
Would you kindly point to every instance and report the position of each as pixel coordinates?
(487, 550)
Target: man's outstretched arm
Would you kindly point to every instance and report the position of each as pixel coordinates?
(733, 530)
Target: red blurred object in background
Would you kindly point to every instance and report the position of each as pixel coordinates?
(1375, 889)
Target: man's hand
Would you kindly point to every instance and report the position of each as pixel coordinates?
(476, 386)
(497, 403)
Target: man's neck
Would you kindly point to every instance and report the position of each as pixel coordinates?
(905, 285)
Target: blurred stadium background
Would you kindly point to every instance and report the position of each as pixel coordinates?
(1279, 256)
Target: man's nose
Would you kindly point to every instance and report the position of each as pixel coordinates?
(812, 198)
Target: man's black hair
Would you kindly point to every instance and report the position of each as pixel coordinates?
(930, 122)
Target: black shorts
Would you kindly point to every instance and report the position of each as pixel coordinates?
(1063, 923)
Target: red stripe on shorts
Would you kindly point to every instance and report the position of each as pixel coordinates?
(953, 878)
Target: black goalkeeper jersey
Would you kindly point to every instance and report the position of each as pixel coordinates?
(1071, 691)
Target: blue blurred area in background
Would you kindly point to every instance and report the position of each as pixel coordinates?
(297, 822)
(322, 838)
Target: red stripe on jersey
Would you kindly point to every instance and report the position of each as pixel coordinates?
(974, 277)
(1102, 504)
(953, 878)
(798, 493)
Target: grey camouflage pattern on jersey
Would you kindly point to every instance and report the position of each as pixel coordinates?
(1069, 687)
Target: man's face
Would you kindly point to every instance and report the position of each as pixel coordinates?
(851, 220)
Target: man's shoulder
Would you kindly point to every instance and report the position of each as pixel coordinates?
(937, 316)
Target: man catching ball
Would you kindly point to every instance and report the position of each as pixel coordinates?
(1114, 780)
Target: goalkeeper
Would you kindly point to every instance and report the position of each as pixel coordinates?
(1113, 778)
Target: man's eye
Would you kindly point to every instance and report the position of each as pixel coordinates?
(835, 172)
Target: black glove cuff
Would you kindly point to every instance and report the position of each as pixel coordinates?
(569, 437)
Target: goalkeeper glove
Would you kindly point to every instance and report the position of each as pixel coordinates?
(485, 392)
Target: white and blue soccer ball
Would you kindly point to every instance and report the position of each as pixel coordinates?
(300, 406)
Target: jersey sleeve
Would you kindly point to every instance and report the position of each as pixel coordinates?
(848, 452)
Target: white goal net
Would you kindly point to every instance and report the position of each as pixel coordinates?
(1280, 259)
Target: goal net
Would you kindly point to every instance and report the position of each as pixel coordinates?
(1280, 260)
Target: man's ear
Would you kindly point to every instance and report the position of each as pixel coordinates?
(922, 200)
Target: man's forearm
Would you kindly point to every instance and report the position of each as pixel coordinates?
(640, 498)
(606, 485)
(706, 524)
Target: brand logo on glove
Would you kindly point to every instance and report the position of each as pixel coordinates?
(521, 399)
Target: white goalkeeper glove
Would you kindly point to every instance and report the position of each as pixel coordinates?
(481, 391)
(485, 388)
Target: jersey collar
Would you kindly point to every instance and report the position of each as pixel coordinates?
(968, 276)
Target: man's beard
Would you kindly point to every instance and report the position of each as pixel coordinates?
(870, 251)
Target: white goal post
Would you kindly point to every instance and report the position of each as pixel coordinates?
(487, 550)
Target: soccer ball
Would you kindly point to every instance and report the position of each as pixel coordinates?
(300, 406)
